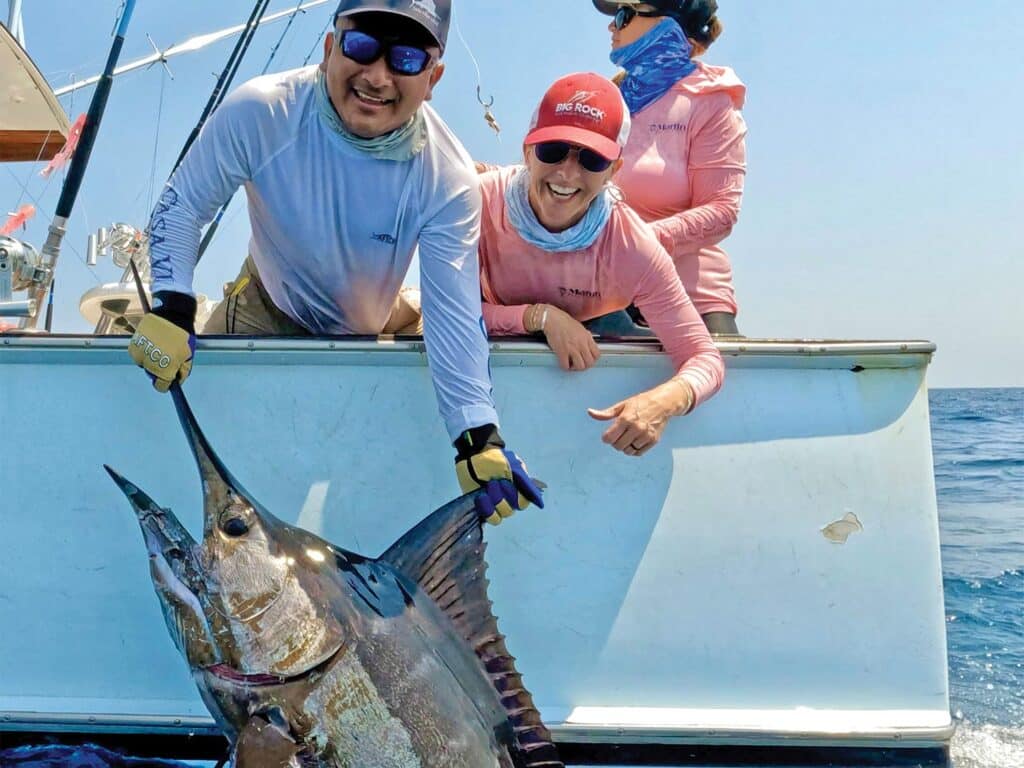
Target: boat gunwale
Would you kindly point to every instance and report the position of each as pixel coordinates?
(745, 347)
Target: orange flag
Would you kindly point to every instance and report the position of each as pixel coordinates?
(62, 157)
(18, 219)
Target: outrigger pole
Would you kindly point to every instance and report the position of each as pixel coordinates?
(79, 161)
(191, 45)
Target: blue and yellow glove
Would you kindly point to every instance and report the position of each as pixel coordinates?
(165, 340)
(483, 462)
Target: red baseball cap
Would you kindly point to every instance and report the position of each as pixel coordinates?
(585, 109)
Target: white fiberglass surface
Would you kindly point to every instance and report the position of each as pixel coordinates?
(700, 578)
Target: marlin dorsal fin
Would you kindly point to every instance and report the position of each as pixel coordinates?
(444, 555)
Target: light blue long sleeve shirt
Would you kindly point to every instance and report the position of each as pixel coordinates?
(334, 230)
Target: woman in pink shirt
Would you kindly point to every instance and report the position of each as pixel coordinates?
(684, 165)
(557, 247)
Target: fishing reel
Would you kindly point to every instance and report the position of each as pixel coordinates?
(115, 307)
(21, 268)
(123, 243)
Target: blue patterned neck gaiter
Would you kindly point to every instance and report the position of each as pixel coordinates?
(579, 236)
(653, 64)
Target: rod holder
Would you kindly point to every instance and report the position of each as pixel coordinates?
(25, 308)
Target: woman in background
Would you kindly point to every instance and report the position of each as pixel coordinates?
(684, 165)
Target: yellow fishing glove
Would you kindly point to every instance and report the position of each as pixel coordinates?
(483, 462)
(165, 341)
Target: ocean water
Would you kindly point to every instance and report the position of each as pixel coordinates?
(978, 446)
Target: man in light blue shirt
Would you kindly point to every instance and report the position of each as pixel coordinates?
(347, 173)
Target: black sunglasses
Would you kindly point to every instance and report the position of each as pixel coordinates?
(365, 49)
(554, 152)
(627, 13)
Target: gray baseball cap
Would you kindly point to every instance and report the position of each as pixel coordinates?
(432, 15)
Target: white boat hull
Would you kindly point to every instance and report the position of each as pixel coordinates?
(694, 596)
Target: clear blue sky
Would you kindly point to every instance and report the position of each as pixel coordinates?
(886, 181)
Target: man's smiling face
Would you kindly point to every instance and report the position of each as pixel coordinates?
(370, 99)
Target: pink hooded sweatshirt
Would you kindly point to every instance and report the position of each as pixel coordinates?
(683, 172)
(625, 265)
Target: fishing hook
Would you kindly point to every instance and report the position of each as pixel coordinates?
(488, 114)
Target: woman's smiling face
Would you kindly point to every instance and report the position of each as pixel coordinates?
(561, 193)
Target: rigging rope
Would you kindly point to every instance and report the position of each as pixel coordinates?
(316, 43)
(49, 178)
(273, 51)
(489, 102)
(156, 141)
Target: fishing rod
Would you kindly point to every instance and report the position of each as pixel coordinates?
(190, 45)
(216, 97)
(76, 173)
(226, 76)
(211, 230)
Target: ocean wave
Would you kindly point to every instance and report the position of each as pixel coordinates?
(987, 746)
(984, 627)
(1002, 462)
(967, 417)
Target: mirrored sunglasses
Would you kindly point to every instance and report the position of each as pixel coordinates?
(554, 152)
(401, 59)
(627, 13)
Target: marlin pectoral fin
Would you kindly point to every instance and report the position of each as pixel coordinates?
(444, 554)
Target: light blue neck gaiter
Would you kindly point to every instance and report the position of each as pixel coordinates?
(653, 64)
(401, 144)
(579, 236)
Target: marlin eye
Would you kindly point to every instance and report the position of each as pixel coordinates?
(235, 526)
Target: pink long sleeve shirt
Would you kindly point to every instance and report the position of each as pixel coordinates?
(683, 172)
(625, 265)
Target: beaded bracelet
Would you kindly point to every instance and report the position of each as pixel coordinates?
(691, 396)
(531, 322)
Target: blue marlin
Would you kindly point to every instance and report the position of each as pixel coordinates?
(308, 654)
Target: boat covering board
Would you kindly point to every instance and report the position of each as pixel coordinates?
(33, 125)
